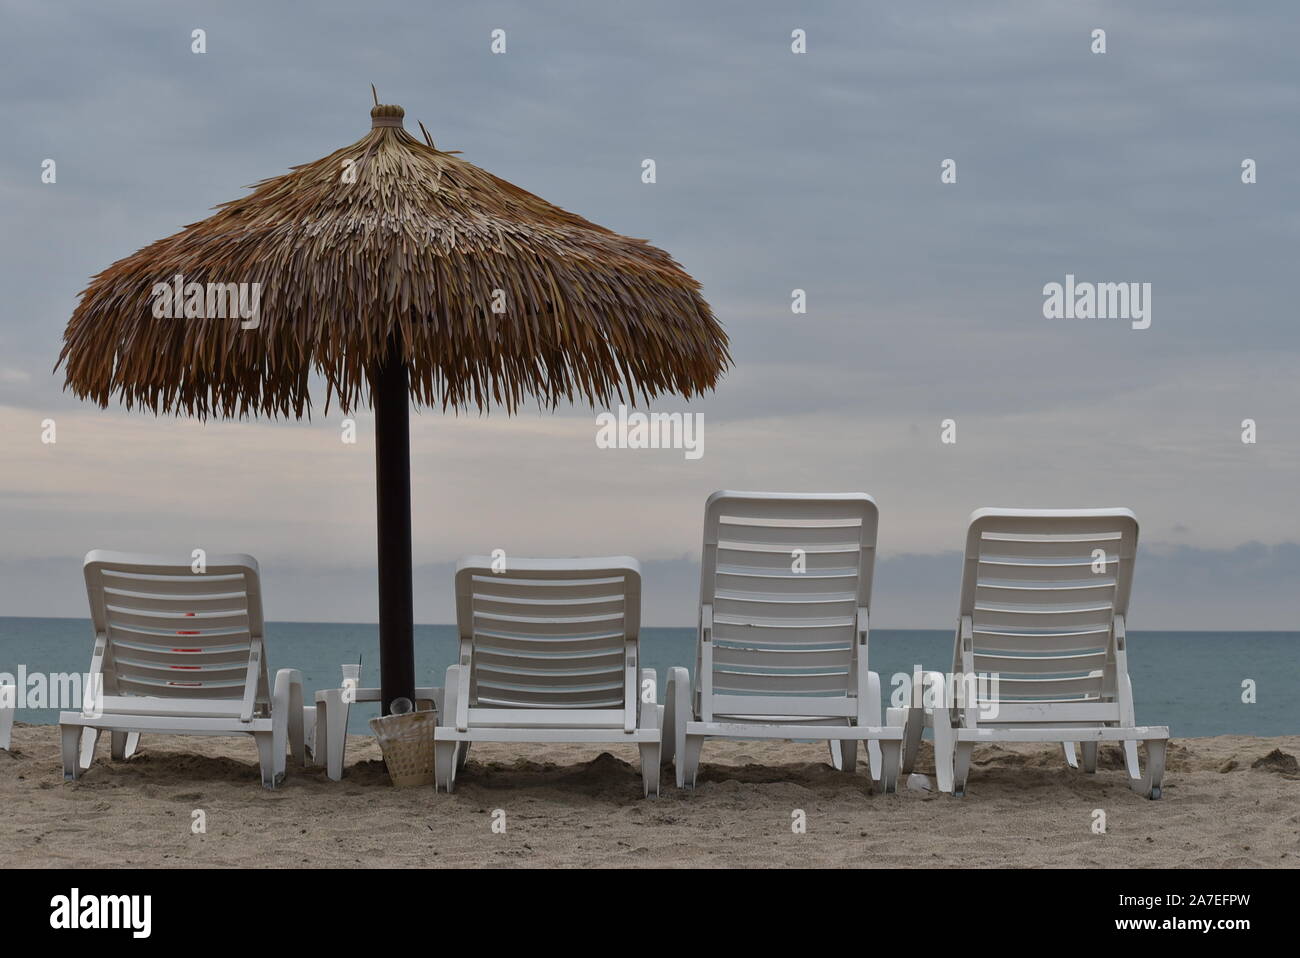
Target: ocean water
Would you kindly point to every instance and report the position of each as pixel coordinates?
(1190, 681)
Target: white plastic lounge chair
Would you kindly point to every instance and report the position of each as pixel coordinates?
(181, 653)
(549, 652)
(1044, 597)
(785, 589)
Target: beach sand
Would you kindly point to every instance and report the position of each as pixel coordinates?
(1226, 803)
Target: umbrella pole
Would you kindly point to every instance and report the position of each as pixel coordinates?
(392, 404)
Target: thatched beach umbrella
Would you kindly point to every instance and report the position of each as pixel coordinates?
(396, 272)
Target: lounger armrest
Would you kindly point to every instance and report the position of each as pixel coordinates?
(456, 690)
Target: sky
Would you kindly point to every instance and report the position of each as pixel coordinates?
(775, 171)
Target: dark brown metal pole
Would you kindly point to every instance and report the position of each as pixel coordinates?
(392, 404)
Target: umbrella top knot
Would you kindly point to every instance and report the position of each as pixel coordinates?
(386, 114)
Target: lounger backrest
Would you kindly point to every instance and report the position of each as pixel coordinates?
(549, 633)
(172, 632)
(1042, 588)
(787, 580)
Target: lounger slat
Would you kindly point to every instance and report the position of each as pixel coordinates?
(192, 585)
(1046, 620)
(725, 656)
(736, 581)
(600, 659)
(549, 645)
(782, 705)
(1048, 571)
(725, 680)
(597, 608)
(768, 511)
(547, 592)
(789, 607)
(1047, 713)
(553, 590)
(1087, 594)
(1039, 664)
(181, 688)
(166, 658)
(1059, 525)
(172, 622)
(1071, 547)
(1084, 640)
(1082, 685)
(497, 676)
(230, 674)
(790, 536)
(845, 562)
(832, 634)
(126, 602)
(503, 698)
(513, 718)
(188, 638)
(496, 626)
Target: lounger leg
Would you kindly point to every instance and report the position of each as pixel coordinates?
(669, 745)
(876, 715)
(688, 758)
(71, 736)
(849, 751)
(945, 749)
(332, 724)
(309, 733)
(132, 744)
(677, 712)
(117, 745)
(286, 717)
(1131, 758)
(1071, 759)
(266, 758)
(890, 758)
(444, 765)
(837, 754)
(462, 755)
(89, 739)
(297, 726)
(1148, 785)
(6, 722)
(650, 768)
(1089, 750)
(961, 767)
(912, 722)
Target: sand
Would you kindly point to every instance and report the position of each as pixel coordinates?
(1226, 803)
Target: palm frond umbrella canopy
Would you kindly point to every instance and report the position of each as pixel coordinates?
(396, 272)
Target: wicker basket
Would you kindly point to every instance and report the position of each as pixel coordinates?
(407, 743)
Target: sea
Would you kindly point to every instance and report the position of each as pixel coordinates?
(1197, 683)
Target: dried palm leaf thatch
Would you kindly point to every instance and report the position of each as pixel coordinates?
(391, 240)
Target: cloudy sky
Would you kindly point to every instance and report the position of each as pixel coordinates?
(775, 171)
